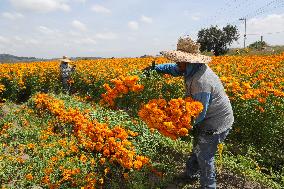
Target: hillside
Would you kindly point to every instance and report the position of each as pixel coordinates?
(8, 58)
(13, 58)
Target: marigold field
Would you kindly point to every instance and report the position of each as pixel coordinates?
(122, 129)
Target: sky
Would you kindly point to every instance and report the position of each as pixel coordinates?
(127, 28)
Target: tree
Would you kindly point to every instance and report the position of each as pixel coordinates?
(258, 45)
(216, 39)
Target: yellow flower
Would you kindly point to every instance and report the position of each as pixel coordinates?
(220, 148)
(106, 171)
(101, 180)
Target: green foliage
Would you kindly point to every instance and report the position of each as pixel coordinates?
(261, 130)
(257, 45)
(248, 167)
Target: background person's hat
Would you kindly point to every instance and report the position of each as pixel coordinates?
(187, 51)
(65, 59)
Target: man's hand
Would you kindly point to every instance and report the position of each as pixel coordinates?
(73, 67)
(146, 71)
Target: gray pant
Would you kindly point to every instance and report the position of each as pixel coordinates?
(202, 158)
(65, 84)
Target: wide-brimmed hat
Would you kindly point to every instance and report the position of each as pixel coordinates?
(187, 51)
(65, 59)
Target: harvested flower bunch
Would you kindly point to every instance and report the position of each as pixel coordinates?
(172, 119)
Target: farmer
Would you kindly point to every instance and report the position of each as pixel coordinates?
(215, 121)
(65, 70)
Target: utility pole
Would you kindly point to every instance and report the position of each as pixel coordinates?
(245, 35)
(261, 44)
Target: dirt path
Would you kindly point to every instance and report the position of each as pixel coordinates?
(6, 109)
(225, 180)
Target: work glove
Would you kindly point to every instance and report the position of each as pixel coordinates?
(146, 71)
(73, 68)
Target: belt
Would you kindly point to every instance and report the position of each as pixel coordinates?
(209, 132)
(197, 131)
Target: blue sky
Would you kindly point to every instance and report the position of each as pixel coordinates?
(127, 28)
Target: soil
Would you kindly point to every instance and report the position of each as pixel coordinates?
(225, 180)
(5, 109)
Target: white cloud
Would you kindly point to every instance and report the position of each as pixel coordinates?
(133, 25)
(270, 23)
(45, 30)
(100, 9)
(146, 19)
(131, 38)
(16, 41)
(75, 33)
(80, 1)
(12, 15)
(32, 42)
(79, 25)
(107, 35)
(85, 41)
(4, 39)
(195, 16)
(41, 6)
(17, 38)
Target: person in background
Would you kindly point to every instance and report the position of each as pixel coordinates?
(65, 71)
(215, 121)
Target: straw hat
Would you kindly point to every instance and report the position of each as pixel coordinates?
(65, 59)
(187, 51)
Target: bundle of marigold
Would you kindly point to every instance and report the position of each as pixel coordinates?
(112, 143)
(172, 119)
(122, 86)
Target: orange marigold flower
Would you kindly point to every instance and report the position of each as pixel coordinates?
(31, 146)
(29, 176)
(45, 180)
(173, 118)
(102, 160)
(126, 176)
(83, 158)
(183, 132)
(137, 164)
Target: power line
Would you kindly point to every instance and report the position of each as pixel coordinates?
(232, 7)
(264, 9)
(268, 33)
(272, 4)
(268, 7)
(248, 5)
(241, 6)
